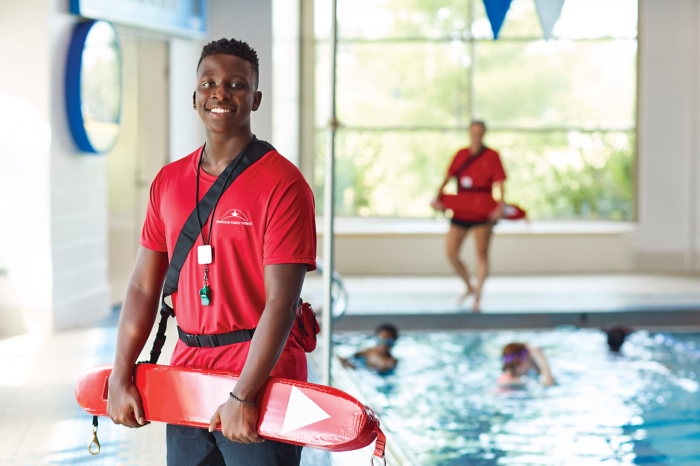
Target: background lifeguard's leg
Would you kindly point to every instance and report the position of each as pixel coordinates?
(482, 235)
(455, 238)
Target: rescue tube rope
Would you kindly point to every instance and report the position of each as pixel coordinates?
(94, 437)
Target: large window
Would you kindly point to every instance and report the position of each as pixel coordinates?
(412, 74)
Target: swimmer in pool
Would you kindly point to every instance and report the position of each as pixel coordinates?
(519, 359)
(378, 357)
(616, 336)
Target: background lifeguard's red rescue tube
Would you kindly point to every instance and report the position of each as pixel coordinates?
(477, 206)
(290, 411)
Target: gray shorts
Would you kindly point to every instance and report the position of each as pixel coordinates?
(191, 446)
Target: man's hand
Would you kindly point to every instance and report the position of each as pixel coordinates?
(124, 404)
(239, 422)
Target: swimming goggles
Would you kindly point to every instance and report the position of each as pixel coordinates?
(512, 357)
(386, 341)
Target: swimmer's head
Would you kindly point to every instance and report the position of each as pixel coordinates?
(477, 129)
(616, 336)
(516, 360)
(387, 334)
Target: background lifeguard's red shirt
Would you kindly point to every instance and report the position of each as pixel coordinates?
(265, 217)
(484, 172)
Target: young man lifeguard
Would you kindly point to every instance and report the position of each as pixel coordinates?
(263, 236)
(477, 170)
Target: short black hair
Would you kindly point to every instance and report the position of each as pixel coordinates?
(478, 123)
(234, 47)
(616, 337)
(388, 328)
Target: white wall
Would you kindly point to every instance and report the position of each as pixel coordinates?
(186, 129)
(286, 77)
(79, 232)
(668, 169)
(26, 286)
(251, 22)
(417, 247)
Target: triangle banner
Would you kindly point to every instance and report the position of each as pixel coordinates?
(301, 412)
(549, 12)
(496, 11)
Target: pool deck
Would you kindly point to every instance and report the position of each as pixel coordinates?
(427, 303)
(40, 422)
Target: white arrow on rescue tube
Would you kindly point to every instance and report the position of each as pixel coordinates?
(301, 412)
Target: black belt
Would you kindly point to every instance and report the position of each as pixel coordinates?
(213, 341)
(475, 189)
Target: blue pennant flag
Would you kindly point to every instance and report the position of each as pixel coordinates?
(496, 11)
(548, 11)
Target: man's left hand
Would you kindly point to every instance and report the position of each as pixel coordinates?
(238, 422)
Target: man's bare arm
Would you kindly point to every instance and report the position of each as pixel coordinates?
(135, 323)
(283, 284)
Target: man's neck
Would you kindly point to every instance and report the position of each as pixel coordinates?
(221, 149)
(474, 149)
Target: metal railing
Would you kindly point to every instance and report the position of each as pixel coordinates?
(340, 294)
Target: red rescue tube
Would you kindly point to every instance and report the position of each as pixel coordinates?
(289, 411)
(477, 206)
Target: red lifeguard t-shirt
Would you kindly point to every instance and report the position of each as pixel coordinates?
(483, 172)
(475, 183)
(265, 217)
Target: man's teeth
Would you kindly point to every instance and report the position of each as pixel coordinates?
(220, 110)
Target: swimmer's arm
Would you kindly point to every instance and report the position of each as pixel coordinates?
(346, 363)
(541, 363)
(283, 284)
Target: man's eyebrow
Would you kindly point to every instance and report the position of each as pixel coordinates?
(233, 76)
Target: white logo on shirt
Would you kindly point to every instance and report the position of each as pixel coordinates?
(234, 217)
(466, 182)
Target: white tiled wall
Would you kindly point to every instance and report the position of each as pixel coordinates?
(78, 207)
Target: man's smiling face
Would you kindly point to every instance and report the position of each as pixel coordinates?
(225, 93)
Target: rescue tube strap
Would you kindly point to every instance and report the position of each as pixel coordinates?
(380, 444)
(190, 231)
(470, 160)
(214, 341)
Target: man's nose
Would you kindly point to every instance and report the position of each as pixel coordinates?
(221, 92)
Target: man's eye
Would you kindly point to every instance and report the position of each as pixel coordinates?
(207, 84)
(236, 85)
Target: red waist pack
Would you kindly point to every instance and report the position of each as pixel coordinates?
(305, 327)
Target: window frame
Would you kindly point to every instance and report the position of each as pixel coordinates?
(309, 128)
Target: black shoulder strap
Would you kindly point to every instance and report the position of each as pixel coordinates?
(190, 231)
(470, 160)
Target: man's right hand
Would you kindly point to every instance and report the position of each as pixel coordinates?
(124, 404)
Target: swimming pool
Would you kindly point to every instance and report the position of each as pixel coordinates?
(641, 407)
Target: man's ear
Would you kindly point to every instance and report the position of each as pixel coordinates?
(194, 100)
(257, 99)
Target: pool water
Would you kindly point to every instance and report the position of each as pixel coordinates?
(639, 407)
